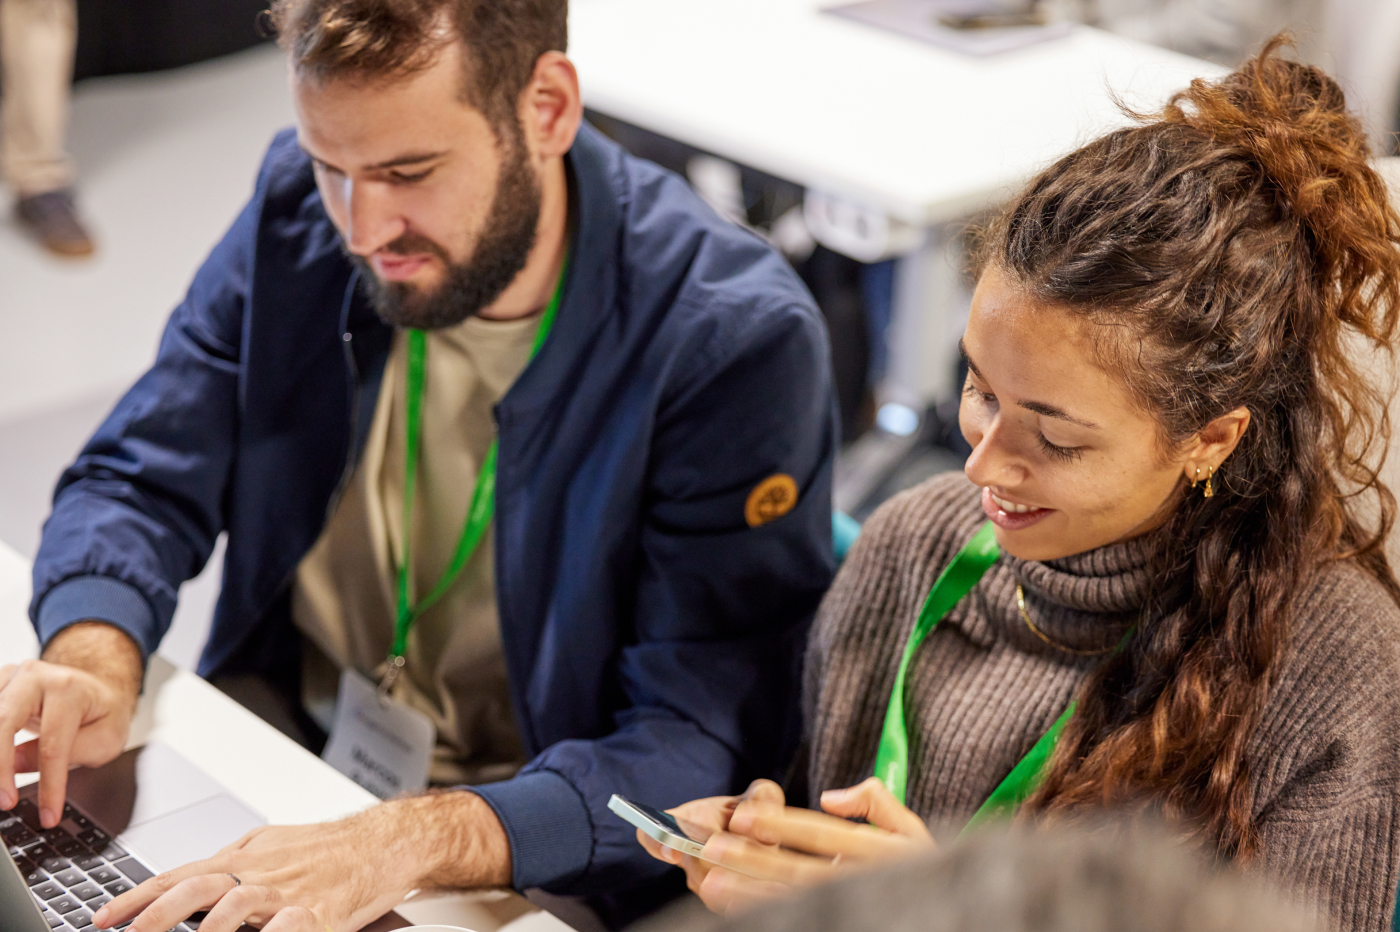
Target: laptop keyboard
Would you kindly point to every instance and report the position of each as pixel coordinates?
(73, 868)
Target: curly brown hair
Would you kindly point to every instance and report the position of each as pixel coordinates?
(372, 39)
(1235, 248)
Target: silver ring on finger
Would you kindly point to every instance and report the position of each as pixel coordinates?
(236, 881)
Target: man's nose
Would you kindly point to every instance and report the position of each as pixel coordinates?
(371, 219)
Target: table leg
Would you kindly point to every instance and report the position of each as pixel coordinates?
(930, 311)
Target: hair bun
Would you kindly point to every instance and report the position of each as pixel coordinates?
(1291, 120)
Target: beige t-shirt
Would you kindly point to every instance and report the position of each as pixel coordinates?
(345, 590)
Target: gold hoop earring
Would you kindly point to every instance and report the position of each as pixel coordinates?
(1210, 473)
(1196, 478)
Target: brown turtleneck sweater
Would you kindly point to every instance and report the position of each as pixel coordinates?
(983, 688)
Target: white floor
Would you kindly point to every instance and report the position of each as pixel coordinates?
(165, 161)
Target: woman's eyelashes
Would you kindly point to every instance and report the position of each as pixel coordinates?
(405, 178)
(1067, 454)
(1055, 451)
(973, 391)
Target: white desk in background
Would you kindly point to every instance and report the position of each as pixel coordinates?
(889, 135)
(258, 765)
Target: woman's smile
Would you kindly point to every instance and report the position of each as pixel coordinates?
(1011, 507)
(1009, 515)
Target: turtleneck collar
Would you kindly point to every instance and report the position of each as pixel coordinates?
(1111, 579)
(1084, 602)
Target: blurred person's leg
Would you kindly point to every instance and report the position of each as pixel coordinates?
(37, 41)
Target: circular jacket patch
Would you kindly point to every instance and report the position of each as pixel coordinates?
(770, 499)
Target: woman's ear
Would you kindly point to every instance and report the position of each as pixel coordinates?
(1214, 443)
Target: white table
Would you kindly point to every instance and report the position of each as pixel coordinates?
(259, 766)
(901, 132)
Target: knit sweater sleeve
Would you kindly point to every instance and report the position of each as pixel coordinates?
(1327, 754)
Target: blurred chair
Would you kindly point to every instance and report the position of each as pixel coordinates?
(844, 531)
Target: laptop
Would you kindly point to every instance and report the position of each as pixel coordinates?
(148, 811)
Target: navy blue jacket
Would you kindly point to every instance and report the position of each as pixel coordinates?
(652, 636)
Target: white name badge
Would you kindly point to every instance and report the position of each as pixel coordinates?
(383, 745)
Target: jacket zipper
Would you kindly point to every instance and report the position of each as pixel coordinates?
(348, 352)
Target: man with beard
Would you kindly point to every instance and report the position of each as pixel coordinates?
(500, 422)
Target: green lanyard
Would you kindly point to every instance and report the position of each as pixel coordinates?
(892, 759)
(483, 504)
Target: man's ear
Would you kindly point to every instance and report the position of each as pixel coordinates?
(1214, 443)
(551, 108)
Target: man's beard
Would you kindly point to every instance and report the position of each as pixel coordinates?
(501, 251)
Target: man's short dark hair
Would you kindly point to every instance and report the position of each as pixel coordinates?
(374, 39)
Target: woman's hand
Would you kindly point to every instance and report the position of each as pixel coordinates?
(703, 818)
(766, 848)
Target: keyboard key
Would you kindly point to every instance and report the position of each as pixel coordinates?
(113, 852)
(54, 919)
(76, 817)
(131, 868)
(64, 904)
(79, 919)
(97, 902)
(95, 838)
(47, 890)
(72, 848)
(70, 877)
(53, 863)
(28, 810)
(35, 876)
(56, 836)
(89, 862)
(17, 834)
(104, 874)
(86, 891)
(118, 887)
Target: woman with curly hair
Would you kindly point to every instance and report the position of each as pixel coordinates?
(1162, 582)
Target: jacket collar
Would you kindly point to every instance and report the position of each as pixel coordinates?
(596, 206)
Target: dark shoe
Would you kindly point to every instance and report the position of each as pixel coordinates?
(52, 217)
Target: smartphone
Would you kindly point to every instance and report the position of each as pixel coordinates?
(659, 825)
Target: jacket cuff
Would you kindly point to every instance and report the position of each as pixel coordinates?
(95, 598)
(547, 822)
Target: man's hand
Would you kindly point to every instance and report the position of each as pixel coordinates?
(79, 699)
(337, 876)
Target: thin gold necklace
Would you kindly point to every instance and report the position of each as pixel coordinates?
(1025, 616)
